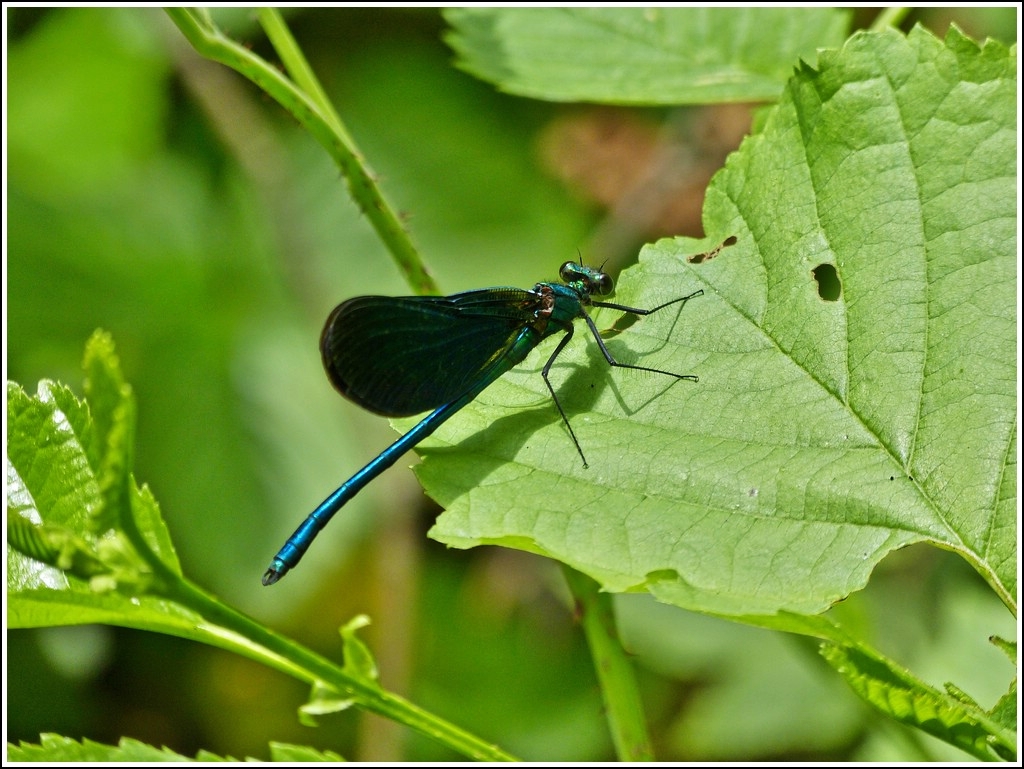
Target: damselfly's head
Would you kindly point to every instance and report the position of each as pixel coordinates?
(588, 281)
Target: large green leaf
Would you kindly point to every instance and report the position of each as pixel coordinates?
(826, 430)
(641, 55)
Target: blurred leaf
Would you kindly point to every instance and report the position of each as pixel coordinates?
(175, 269)
(641, 55)
(1005, 711)
(464, 161)
(322, 700)
(359, 662)
(822, 434)
(730, 670)
(900, 695)
(86, 124)
(1009, 648)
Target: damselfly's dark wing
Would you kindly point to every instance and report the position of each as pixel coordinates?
(399, 356)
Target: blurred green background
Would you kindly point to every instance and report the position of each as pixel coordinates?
(167, 200)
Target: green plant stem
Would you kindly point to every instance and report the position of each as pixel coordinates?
(619, 691)
(324, 125)
(298, 68)
(890, 17)
(308, 103)
(231, 630)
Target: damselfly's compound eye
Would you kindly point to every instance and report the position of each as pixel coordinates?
(569, 272)
(603, 284)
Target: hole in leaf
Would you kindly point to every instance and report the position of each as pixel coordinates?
(707, 256)
(829, 287)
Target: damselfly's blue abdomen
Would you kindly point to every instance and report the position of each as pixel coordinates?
(399, 356)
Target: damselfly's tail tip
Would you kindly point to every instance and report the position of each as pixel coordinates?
(271, 575)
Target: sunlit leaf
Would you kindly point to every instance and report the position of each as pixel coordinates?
(822, 434)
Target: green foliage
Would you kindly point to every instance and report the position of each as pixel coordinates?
(114, 565)
(53, 748)
(359, 664)
(829, 428)
(69, 474)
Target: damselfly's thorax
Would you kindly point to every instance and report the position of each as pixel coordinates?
(542, 299)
